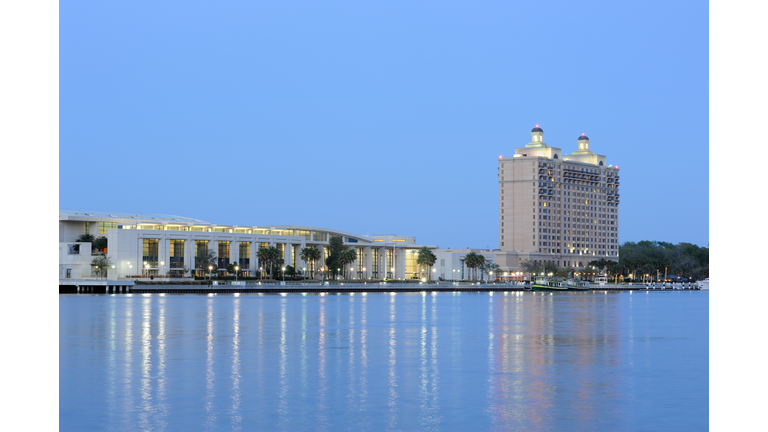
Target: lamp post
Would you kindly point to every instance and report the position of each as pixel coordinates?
(490, 275)
(142, 269)
(210, 268)
(113, 270)
(364, 273)
(237, 269)
(162, 267)
(283, 274)
(97, 272)
(433, 273)
(130, 268)
(147, 266)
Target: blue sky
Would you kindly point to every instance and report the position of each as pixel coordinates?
(379, 117)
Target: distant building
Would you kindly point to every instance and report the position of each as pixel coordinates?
(557, 207)
(153, 244)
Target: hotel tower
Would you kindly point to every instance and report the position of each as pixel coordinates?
(557, 207)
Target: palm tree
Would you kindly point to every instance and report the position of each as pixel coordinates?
(310, 255)
(426, 258)
(263, 255)
(474, 260)
(347, 256)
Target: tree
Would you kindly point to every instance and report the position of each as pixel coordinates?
(333, 261)
(99, 243)
(263, 255)
(290, 271)
(427, 259)
(310, 255)
(206, 260)
(231, 268)
(491, 267)
(532, 267)
(85, 238)
(101, 264)
(346, 257)
(473, 261)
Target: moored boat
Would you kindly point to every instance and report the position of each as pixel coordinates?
(703, 284)
(550, 286)
(578, 285)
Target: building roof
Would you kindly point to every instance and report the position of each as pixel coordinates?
(537, 129)
(583, 138)
(136, 217)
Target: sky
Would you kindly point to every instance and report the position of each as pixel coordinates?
(379, 117)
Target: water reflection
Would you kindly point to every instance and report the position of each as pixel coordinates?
(210, 374)
(392, 397)
(235, 415)
(417, 361)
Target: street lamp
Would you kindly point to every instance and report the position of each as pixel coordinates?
(283, 274)
(364, 273)
(237, 268)
(210, 268)
(162, 267)
(147, 266)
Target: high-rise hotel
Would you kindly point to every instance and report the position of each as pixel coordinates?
(557, 207)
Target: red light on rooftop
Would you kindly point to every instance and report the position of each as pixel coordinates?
(537, 125)
(582, 134)
(499, 156)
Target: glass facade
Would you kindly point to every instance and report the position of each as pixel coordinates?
(411, 268)
(360, 272)
(149, 253)
(223, 254)
(176, 252)
(104, 226)
(306, 234)
(319, 236)
(201, 247)
(375, 261)
(390, 263)
(244, 254)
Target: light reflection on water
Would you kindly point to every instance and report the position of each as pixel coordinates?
(422, 361)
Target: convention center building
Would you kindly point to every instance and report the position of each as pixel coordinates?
(143, 245)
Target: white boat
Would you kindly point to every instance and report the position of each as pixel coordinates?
(703, 284)
(601, 280)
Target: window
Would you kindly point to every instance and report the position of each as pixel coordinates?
(176, 253)
(104, 226)
(149, 252)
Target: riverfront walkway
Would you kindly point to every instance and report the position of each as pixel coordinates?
(120, 287)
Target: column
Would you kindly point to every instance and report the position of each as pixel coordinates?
(288, 249)
(234, 253)
(252, 256)
(367, 262)
(189, 252)
(400, 263)
(214, 246)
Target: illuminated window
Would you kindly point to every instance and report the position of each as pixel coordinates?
(104, 226)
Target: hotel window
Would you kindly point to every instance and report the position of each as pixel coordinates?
(219, 230)
(319, 236)
(104, 226)
(303, 233)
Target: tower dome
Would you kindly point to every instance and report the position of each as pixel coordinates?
(537, 129)
(583, 138)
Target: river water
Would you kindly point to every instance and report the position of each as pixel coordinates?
(383, 362)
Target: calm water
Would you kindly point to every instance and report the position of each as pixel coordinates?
(443, 362)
